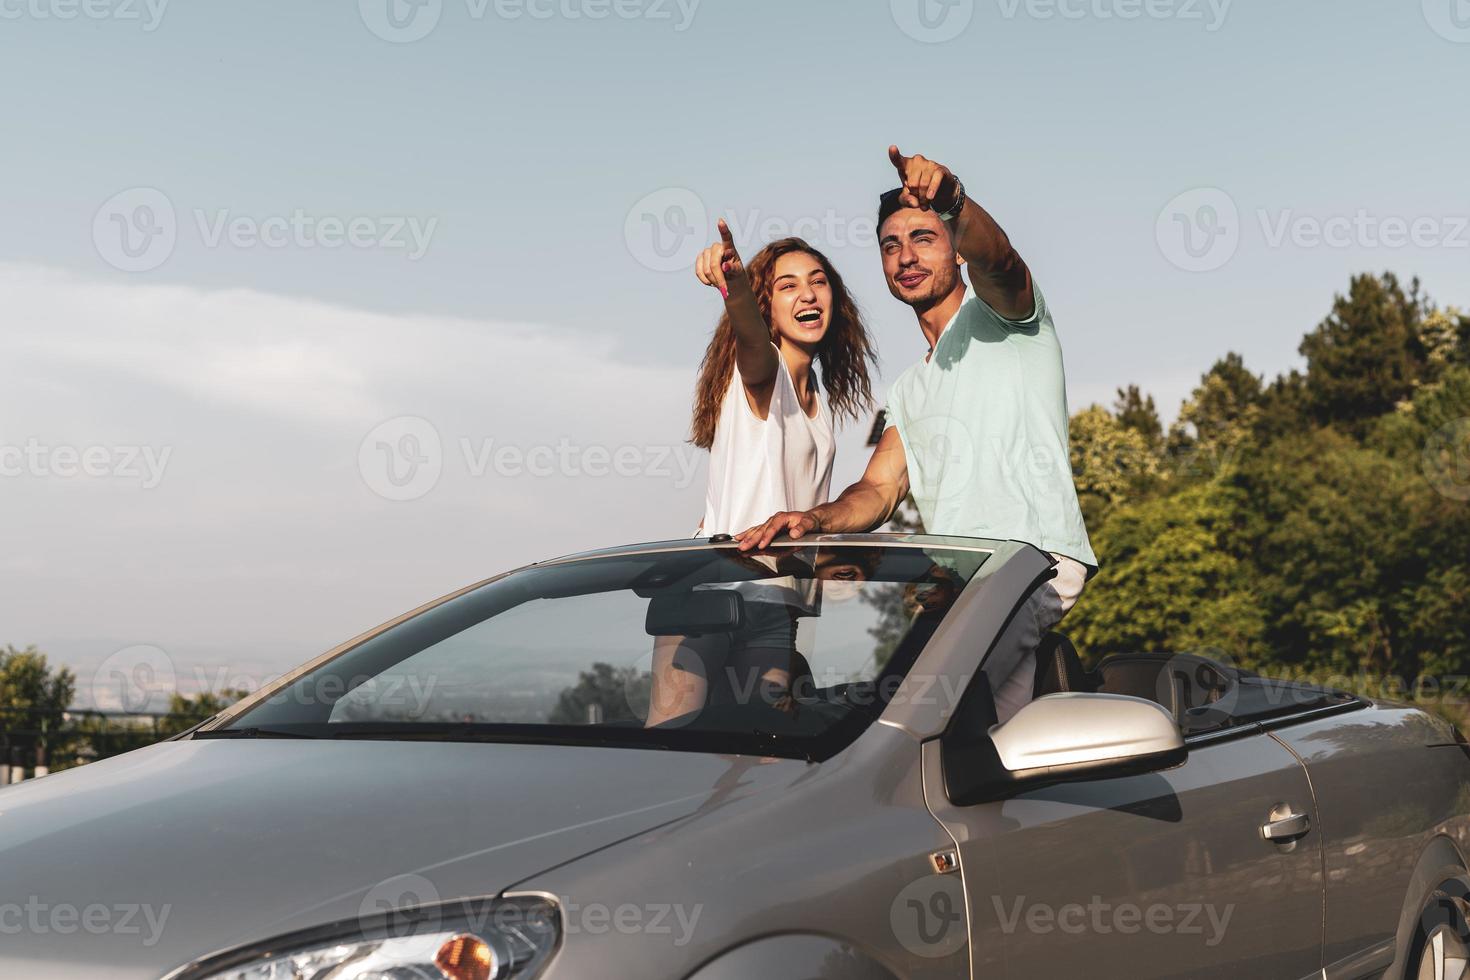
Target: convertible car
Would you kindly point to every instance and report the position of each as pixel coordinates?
(513, 782)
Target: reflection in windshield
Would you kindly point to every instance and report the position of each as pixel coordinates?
(683, 649)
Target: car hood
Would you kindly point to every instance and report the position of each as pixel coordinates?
(136, 865)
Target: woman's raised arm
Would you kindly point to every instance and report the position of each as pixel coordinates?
(719, 266)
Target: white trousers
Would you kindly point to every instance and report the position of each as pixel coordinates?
(1044, 610)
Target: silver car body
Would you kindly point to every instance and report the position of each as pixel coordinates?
(783, 869)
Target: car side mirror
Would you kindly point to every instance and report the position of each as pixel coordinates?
(1060, 738)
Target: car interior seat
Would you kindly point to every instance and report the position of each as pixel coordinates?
(1058, 668)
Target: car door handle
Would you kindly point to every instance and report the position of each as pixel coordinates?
(1285, 824)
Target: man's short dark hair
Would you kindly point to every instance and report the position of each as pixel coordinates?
(888, 203)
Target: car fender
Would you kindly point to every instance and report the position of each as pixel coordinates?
(1441, 861)
(794, 957)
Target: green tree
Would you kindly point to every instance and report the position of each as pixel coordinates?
(1442, 340)
(601, 694)
(1136, 411)
(1169, 580)
(186, 712)
(1367, 356)
(1285, 408)
(33, 700)
(1336, 543)
(1219, 418)
(1111, 462)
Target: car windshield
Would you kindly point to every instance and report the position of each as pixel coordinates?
(791, 652)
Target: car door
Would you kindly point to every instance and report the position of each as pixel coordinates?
(1159, 875)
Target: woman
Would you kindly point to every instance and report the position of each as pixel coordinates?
(758, 411)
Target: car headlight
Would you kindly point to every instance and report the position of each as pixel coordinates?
(500, 939)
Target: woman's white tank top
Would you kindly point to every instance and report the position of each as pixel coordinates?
(758, 467)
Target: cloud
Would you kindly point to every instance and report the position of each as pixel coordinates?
(264, 532)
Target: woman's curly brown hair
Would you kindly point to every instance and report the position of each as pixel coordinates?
(842, 359)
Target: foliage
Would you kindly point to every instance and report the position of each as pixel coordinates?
(33, 700)
(1111, 461)
(1318, 524)
(185, 712)
(601, 695)
(1367, 355)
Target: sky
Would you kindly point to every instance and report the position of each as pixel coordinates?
(310, 313)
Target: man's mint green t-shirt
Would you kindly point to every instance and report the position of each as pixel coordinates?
(984, 430)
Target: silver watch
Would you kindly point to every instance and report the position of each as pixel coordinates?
(959, 202)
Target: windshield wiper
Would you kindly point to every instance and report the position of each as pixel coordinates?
(250, 733)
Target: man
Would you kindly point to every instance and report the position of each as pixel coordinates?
(977, 430)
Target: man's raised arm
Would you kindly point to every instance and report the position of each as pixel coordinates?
(997, 272)
(865, 505)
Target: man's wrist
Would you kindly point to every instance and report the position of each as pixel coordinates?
(957, 205)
